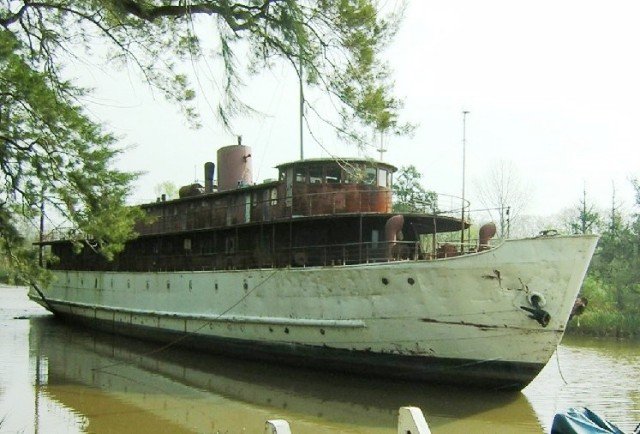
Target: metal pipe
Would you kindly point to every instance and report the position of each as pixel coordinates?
(464, 145)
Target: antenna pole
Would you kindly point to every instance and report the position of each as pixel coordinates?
(301, 109)
(381, 149)
(464, 145)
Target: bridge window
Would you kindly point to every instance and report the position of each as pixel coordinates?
(333, 175)
(383, 179)
(370, 175)
(315, 175)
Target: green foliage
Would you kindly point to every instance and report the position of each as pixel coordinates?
(585, 218)
(410, 195)
(51, 152)
(613, 282)
(337, 43)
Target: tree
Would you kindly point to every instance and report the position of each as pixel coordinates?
(51, 152)
(587, 220)
(410, 195)
(617, 261)
(503, 194)
(168, 188)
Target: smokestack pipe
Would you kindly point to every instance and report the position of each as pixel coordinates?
(209, 169)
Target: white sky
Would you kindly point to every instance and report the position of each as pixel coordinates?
(552, 87)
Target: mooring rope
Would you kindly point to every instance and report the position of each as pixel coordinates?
(558, 363)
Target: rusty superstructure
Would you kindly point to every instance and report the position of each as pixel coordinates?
(318, 212)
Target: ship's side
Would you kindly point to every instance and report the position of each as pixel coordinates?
(457, 319)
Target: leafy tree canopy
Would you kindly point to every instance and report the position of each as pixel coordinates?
(410, 195)
(52, 151)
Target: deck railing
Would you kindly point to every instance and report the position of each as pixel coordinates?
(300, 256)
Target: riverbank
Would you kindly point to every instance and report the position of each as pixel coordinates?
(611, 324)
(610, 312)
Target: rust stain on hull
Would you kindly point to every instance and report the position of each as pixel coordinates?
(481, 326)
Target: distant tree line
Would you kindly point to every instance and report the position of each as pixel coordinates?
(612, 285)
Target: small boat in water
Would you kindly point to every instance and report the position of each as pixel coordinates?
(583, 421)
(315, 268)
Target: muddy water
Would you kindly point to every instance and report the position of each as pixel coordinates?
(56, 378)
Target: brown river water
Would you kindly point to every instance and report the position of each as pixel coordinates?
(60, 378)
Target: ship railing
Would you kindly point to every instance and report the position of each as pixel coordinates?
(295, 256)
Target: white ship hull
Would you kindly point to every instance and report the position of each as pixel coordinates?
(449, 320)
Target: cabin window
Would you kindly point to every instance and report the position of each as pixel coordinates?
(333, 175)
(187, 243)
(370, 175)
(274, 196)
(315, 175)
(300, 175)
(382, 178)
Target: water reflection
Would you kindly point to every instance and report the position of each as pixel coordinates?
(115, 384)
(600, 374)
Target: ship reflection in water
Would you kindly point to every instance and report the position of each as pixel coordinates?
(112, 384)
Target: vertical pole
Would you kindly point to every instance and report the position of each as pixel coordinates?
(464, 145)
(301, 109)
(41, 235)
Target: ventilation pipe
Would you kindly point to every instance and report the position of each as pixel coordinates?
(393, 233)
(487, 231)
(209, 169)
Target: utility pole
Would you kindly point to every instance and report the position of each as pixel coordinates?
(464, 145)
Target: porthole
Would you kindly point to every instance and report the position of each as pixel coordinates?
(410, 281)
(385, 281)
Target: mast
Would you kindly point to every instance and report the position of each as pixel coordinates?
(464, 145)
(41, 231)
(381, 149)
(301, 108)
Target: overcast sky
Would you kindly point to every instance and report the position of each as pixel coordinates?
(552, 88)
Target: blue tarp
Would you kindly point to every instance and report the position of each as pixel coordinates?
(582, 421)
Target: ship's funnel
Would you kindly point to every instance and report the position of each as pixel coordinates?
(209, 169)
(234, 167)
